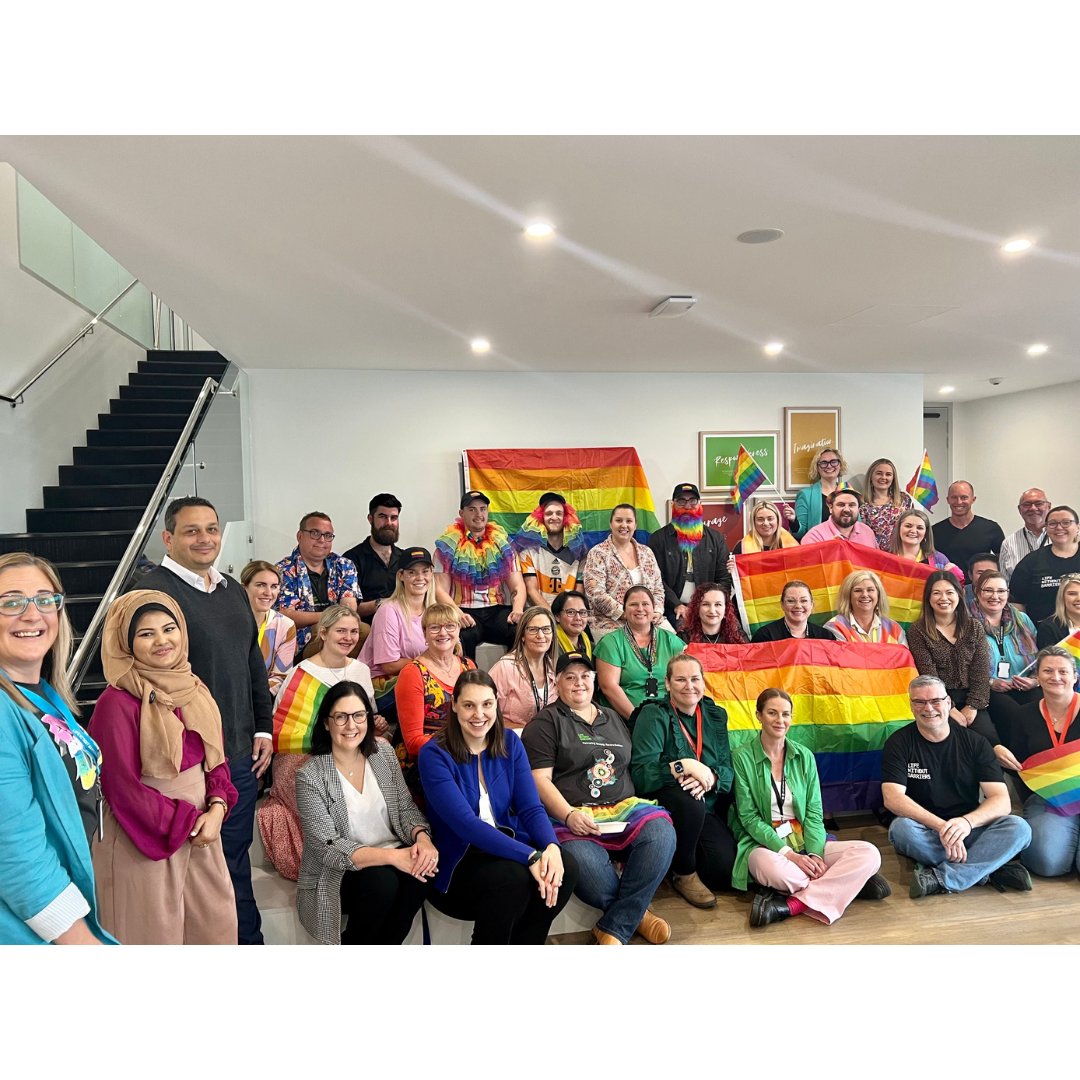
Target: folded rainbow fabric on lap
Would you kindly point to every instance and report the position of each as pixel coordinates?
(847, 700)
(1054, 775)
(294, 718)
(634, 811)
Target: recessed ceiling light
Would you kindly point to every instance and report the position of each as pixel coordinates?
(540, 230)
(947, 390)
(1037, 350)
(1016, 245)
(759, 236)
(480, 345)
(774, 348)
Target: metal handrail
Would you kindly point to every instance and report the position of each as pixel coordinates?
(17, 397)
(81, 660)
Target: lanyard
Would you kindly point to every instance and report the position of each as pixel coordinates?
(696, 747)
(781, 791)
(648, 656)
(1055, 739)
(536, 693)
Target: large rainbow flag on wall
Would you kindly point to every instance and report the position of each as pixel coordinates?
(847, 700)
(294, 716)
(1055, 775)
(761, 576)
(594, 480)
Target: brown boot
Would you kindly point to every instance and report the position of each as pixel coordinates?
(603, 938)
(692, 889)
(654, 929)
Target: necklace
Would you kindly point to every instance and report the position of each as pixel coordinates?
(446, 668)
(340, 670)
(792, 632)
(714, 640)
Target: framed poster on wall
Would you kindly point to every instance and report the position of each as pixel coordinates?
(719, 450)
(723, 517)
(806, 431)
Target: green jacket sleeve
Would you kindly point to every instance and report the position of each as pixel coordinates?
(649, 762)
(716, 753)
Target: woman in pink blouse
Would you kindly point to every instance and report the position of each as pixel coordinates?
(525, 676)
(160, 868)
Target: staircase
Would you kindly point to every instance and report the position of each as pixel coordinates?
(88, 519)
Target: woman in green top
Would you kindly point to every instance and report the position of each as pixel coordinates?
(681, 759)
(781, 834)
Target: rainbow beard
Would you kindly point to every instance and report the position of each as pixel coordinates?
(477, 564)
(689, 526)
(533, 532)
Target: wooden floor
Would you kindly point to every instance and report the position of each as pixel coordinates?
(1048, 915)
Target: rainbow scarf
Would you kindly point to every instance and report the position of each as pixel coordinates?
(689, 527)
(1054, 775)
(476, 564)
(595, 479)
(634, 811)
(748, 477)
(848, 699)
(294, 718)
(533, 533)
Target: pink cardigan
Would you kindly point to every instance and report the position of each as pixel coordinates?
(607, 581)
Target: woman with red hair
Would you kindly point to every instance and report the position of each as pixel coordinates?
(710, 619)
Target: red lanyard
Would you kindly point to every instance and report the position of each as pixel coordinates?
(1055, 739)
(696, 747)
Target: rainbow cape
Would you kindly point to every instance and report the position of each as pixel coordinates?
(295, 715)
(847, 700)
(1055, 776)
(759, 577)
(594, 479)
(533, 534)
(922, 487)
(476, 564)
(748, 477)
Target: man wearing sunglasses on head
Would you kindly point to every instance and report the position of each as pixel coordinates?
(313, 578)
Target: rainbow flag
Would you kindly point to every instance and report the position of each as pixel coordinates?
(1071, 644)
(594, 480)
(760, 577)
(295, 715)
(1055, 776)
(847, 700)
(922, 487)
(748, 477)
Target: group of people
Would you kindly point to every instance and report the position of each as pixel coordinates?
(588, 758)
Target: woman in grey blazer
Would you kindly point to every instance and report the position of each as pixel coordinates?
(367, 848)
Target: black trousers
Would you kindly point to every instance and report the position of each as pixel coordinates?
(703, 841)
(502, 898)
(492, 625)
(381, 903)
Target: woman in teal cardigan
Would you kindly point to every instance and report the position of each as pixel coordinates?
(781, 834)
(827, 467)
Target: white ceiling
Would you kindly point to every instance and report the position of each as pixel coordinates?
(378, 252)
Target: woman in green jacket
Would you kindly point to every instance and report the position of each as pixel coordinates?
(681, 759)
(781, 835)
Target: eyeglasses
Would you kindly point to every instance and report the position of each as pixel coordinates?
(993, 592)
(1034, 505)
(925, 704)
(575, 612)
(688, 503)
(442, 628)
(16, 604)
(828, 463)
(1061, 523)
(316, 535)
(343, 718)
(539, 631)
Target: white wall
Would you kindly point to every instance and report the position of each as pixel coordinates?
(1004, 445)
(35, 323)
(403, 432)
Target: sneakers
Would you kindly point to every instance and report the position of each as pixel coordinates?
(1013, 875)
(654, 929)
(692, 889)
(603, 938)
(876, 888)
(924, 882)
(769, 907)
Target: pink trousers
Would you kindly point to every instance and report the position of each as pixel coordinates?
(851, 863)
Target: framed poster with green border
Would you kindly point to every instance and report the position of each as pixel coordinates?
(806, 431)
(719, 450)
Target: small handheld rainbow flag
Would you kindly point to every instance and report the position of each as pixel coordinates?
(294, 717)
(1055, 775)
(1070, 644)
(748, 477)
(922, 487)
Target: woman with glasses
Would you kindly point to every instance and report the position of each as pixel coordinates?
(1066, 617)
(368, 852)
(884, 501)
(826, 472)
(161, 871)
(525, 676)
(571, 611)
(1037, 576)
(710, 619)
(912, 538)
(862, 612)
(425, 686)
(797, 604)
(277, 634)
(49, 794)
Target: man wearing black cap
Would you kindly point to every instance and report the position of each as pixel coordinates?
(474, 562)
(688, 554)
(377, 558)
(551, 548)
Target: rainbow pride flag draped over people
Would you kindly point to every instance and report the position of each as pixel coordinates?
(294, 717)
(847, 700)
(1055, 775)
(594, 480)
(760, 577)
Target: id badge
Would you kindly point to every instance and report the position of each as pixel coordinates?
(1003, 672)
(783, 829)
(652, 687)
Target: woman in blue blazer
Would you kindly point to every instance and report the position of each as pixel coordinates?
(499, 863)
(49, 769)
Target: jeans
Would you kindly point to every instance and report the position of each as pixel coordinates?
(988, 847)
(237, 831)
(623, 900)
(704, 842)
(1055, 840)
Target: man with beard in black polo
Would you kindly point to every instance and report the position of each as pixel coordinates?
(377, 558)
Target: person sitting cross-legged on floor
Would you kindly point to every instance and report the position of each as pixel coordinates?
(932, 772)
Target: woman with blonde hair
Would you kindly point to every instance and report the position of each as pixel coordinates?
(525, 676)
(862, 612)
(827, 468)
(884, 501)
(912, 538)
(277, 633)
(1066, 617)
(766, 531)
